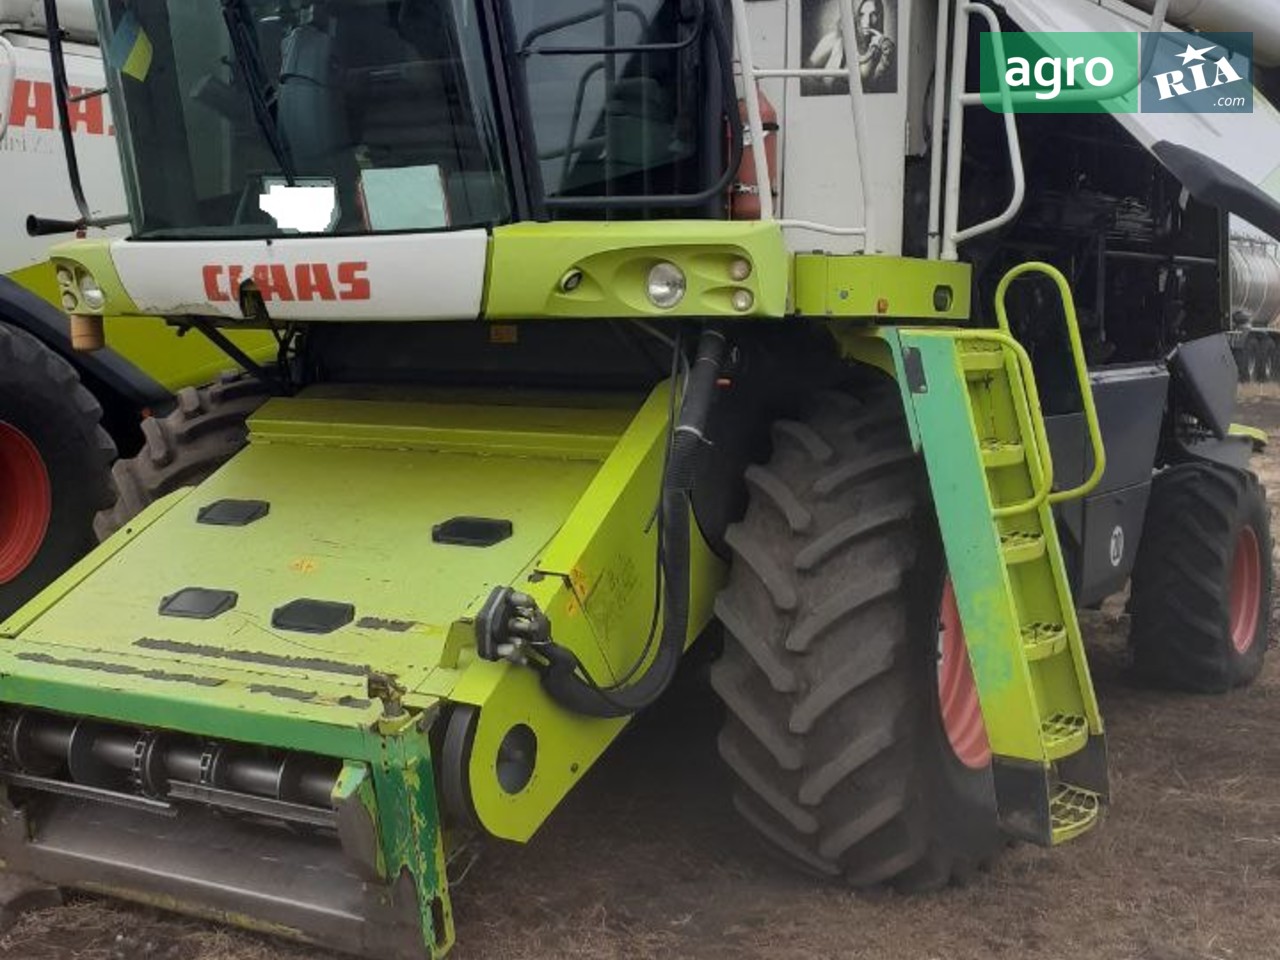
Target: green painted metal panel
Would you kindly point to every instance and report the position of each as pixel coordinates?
(983, 588)
(882, 288)
(348, 523)
(530, 262)
(587, 430)
(410, 830)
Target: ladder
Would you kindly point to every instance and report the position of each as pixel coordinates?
(977, 410)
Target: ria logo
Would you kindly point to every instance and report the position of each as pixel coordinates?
(1174, 83)
(1130, 72)
(1197, 73)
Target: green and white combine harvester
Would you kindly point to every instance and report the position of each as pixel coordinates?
(566, 383)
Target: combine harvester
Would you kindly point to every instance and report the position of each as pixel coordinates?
(565, 380)
(62, 413)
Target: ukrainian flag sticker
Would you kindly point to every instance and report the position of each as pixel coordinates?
(130, 48)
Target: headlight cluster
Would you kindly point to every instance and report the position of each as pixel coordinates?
(79, 291)
(666, 285)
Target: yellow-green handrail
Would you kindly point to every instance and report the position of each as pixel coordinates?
(1081, 370)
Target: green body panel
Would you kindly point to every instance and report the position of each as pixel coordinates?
(356, 484)
(408, 826)
(94, 258)
(972, 397)
(529, 261)
(829, 285)
(972, 541)
(324, 539)
(150, 343)
(595, 581)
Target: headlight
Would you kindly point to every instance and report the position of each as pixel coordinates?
(69, 302)
(65, 277)
(740, 269)
(91, 293)
(666, 285)
(742, 300)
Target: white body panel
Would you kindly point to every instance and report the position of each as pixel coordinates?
(75, 17)
(32, 163)
(425, 276)
(818, 152)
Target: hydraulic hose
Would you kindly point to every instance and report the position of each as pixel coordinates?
(562, 677)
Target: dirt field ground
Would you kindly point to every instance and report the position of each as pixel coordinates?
(646, 861)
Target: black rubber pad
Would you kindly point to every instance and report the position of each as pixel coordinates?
(313, 616)
(198, 603)
(233, 513)
(472, 531)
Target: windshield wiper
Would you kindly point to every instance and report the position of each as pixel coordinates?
(244, 42)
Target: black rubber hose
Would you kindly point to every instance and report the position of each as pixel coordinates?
(562, 678)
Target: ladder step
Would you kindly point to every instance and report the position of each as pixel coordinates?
(1042, 640)
(1064, 735)
(1021, 547)
(980, 361)
(1072, 812)
(1002, 453)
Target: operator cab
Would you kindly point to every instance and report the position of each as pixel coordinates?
(351, 117)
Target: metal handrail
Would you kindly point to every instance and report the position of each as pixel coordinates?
(1081, 368)
(755, 125)
(953, 236)
(944, 242)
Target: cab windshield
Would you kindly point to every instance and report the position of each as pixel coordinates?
(253, 118)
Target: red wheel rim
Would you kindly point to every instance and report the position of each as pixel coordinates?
(25, 502)
(1246, 590)
(957, 693)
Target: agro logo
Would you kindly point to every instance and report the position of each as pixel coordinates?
(301, 282)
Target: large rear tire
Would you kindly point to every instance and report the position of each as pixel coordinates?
(834, 731)
(206, 428)
(1201, 594)
(55, 466)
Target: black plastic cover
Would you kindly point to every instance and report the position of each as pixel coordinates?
(233, 513)
(1205, 379)
(313, 616)
(198, 603)
(472, 531)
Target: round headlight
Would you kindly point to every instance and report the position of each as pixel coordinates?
(69, 302)
(64, 277)
(743, 300)
(91, 293)
(740, 269)
(666, 285)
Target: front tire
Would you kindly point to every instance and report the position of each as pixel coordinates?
(55, 467)
(830, 674)
(207, 427)
(1201, 596)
